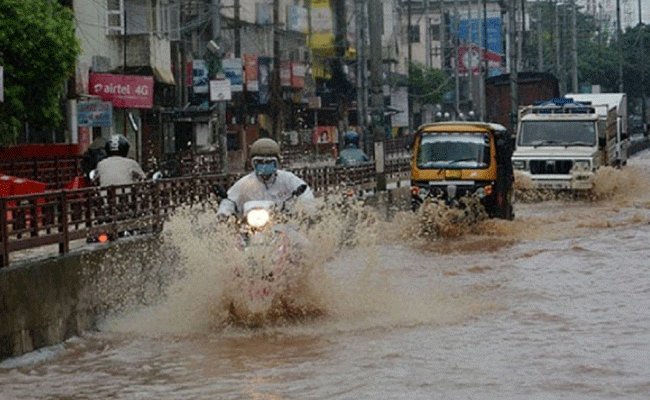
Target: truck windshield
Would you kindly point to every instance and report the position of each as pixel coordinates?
(454, 151)
(557, 133)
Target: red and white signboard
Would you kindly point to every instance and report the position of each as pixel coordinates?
(471, 55)
(124, 91)
(298, 75)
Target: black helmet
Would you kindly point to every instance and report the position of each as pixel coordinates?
(117, 145)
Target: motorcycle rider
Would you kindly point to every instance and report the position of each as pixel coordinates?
(265, 182)
(116, 168)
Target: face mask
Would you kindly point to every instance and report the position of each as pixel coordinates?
(265, 167)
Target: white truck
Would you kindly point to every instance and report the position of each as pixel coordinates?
(561, 143)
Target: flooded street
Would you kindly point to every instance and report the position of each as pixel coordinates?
(551, 305)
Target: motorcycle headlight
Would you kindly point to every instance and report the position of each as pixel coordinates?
(258, 218)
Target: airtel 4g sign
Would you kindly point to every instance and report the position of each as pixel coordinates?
(123, 91)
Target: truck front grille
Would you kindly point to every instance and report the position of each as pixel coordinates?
(542, 167)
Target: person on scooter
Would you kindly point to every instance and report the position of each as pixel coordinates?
(116, 168)
(266, 182)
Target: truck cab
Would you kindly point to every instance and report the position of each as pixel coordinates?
(562, 142)
(456, 158)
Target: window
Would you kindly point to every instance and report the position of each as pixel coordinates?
(414, 33)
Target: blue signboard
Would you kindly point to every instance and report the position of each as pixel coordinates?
(494, 37)
(95, 113)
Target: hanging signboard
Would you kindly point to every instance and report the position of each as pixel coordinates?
(250, 72)
(399, 101)
(94, 113)
(298, 75)
(324, 134)
(232, 68)
(220, 90)
(200, 77)
(264, 79)
(123, 91)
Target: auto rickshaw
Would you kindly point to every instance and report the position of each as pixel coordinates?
(454, 159)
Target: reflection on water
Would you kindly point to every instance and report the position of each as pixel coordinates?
(550, 305)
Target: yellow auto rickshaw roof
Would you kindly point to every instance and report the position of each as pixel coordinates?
(467, 126)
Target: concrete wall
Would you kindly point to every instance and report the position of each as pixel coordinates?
(46, 302)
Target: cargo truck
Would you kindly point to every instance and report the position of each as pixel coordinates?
(560, 143)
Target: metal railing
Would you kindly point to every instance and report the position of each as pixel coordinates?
(55, 172)
(59, 217)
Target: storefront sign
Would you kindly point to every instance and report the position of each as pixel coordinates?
(123, 91)
(298, 75)
(94, 113)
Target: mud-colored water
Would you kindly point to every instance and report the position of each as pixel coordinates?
(551, 305)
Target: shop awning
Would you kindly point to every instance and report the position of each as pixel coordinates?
(163, 75)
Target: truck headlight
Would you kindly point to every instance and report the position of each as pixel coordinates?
(583, 165)
(518, 164)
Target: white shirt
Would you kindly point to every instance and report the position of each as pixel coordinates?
(116, 170)
(250, 187)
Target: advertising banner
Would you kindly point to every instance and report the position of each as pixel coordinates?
(200, 79)
(232, 68)
(123, 91)
(471, 55)
(264, 78)
(297, 19)
(468, 31)
(250, 72)
(324, 134)
(321, 25)
(94, 113)
(298, 75)
(285, 73)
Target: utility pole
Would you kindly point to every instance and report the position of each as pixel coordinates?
(427, 34)
(409, 103)
(277, 103)
(642, 64)
(469, 66)
(540, 49)
(619, 45)
(574, 47)
(486, 72)
(456, 73)
(376, 90)
(219, 114)
(556, 37)
(512, 52)
(362, 95)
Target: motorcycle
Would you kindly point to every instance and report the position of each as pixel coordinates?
(266, 282)
(105, 235)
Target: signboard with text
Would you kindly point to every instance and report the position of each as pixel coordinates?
(232, 68)
(220, 90)
(95, 113)
(123, 91)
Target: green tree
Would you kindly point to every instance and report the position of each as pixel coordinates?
(38, 50)
(427, 85)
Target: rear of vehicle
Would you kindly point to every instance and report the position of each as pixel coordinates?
(452, 160)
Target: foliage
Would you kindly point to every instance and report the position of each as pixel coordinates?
(38, 50)
(427, 85)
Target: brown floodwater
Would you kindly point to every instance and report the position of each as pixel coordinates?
(551, 305)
